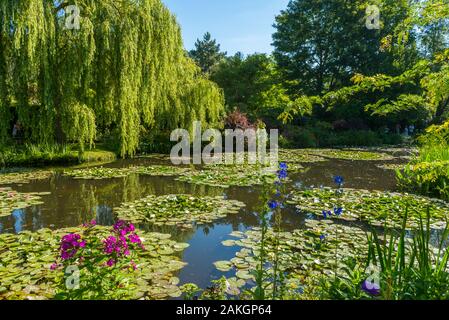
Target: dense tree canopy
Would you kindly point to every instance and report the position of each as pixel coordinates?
(321, 44)
(421, 86)
(123, 72)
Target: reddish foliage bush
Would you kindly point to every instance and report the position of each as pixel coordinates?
(238, 120)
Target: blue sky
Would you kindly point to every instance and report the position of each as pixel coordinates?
(238, 25)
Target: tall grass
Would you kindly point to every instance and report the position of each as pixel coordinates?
(433, 153)
(411, 269)
(410, 266)
(47, 154)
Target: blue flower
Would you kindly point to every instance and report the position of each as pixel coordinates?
(273, 204)
(282, 174)
(326, 214)
(338, 211)
(339, 180)
(283, 166)
(322, 237)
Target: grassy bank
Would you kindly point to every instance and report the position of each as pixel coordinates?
(45, 155)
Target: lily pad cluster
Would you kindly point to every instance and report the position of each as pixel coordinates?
(24, 177)
(299, 156)
(11, 200)
(350, 154)
(182, 211)
(375, 207)
(26, 258)
(318, 155)
(109, 173)
(391, 166)
(233, 175)
(319, 249)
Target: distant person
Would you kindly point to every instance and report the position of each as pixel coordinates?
(15, 130)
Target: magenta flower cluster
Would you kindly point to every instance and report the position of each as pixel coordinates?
(70, 244)
(118, 245)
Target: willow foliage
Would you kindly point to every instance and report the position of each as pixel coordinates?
(123, 72)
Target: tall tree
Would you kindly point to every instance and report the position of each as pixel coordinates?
(322, 43)
(251, 84)
(123, 71)
(207, 53)
(424, 86)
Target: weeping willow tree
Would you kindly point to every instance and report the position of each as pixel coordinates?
(122, 72)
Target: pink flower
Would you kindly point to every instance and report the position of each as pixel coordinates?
(110, 262)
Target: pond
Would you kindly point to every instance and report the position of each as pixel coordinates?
(69, 202)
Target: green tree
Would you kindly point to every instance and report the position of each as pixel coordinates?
(207, 53)
(123, 72)
(423, 87)
(322, 43)
(251, 84)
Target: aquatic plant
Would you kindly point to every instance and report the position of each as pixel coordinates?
(375, 207)
(11, 200)
(183, 211)
(98, 173)
(319, 155)
(22, 176)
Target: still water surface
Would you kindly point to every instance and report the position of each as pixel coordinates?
(73, 202)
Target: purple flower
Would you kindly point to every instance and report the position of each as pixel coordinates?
(110, 244)
(123, 227)
(54, 266)
(134, 238)
(322, 237)
(70, 244)
(283, 166)
(110, 262)
(371, 288)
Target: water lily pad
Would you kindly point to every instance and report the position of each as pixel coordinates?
(178, 210)
(109, 173)
(375, 207)
(11, 200)
(22, 277)
(23, 176)
(223, 265)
